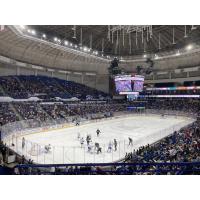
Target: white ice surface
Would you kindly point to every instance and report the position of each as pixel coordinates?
(66, 147)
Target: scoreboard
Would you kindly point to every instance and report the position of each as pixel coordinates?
(129, 84)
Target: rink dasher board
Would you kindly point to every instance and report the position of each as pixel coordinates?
(85, 123)
(62, 126)
(107, 157)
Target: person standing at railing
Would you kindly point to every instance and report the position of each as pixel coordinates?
(23, 142)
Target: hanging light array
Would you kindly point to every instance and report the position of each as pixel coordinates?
(122, 30)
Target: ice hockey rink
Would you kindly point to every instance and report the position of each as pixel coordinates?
(66, 148)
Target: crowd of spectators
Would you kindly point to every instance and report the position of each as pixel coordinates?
(15, 111)
(181, 146)
(187, 105)
(22, 87)
(7, 114)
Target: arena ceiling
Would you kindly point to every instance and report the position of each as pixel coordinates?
(123, 43)
(22, 45)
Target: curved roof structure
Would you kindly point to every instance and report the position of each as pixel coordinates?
(20, 44)
(124, 40)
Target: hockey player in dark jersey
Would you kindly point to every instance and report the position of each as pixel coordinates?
(88, 139)
(130, 141)
(98, 131)
(115, 144)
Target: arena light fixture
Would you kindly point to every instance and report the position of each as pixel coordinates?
(128, 29)
(189, 47)
(85, 49)
(71, 44)
(33, 32)
(55, 39)
(95, 52)
(66, 42)
(144, 55)
(22, 27)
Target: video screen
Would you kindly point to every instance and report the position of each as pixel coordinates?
(123, 86)
(137, 85)
(128, 83)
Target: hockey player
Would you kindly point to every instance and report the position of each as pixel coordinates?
(88, 139)
(130, 141)
(99, 150)
(89, 146)
(115, 144)
(98, 131)
(23, 143)
(47, 148)
(96, 145)
(109, 147)
(78, 136)
(82, 142)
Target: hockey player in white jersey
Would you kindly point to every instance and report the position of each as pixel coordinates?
(82, 142)
(78, 136)
(109, 147)
(89, 146)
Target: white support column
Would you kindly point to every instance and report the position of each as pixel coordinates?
(170, 75)
(18, 70)
(82, 78)
(95, 82)
(35, 72)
